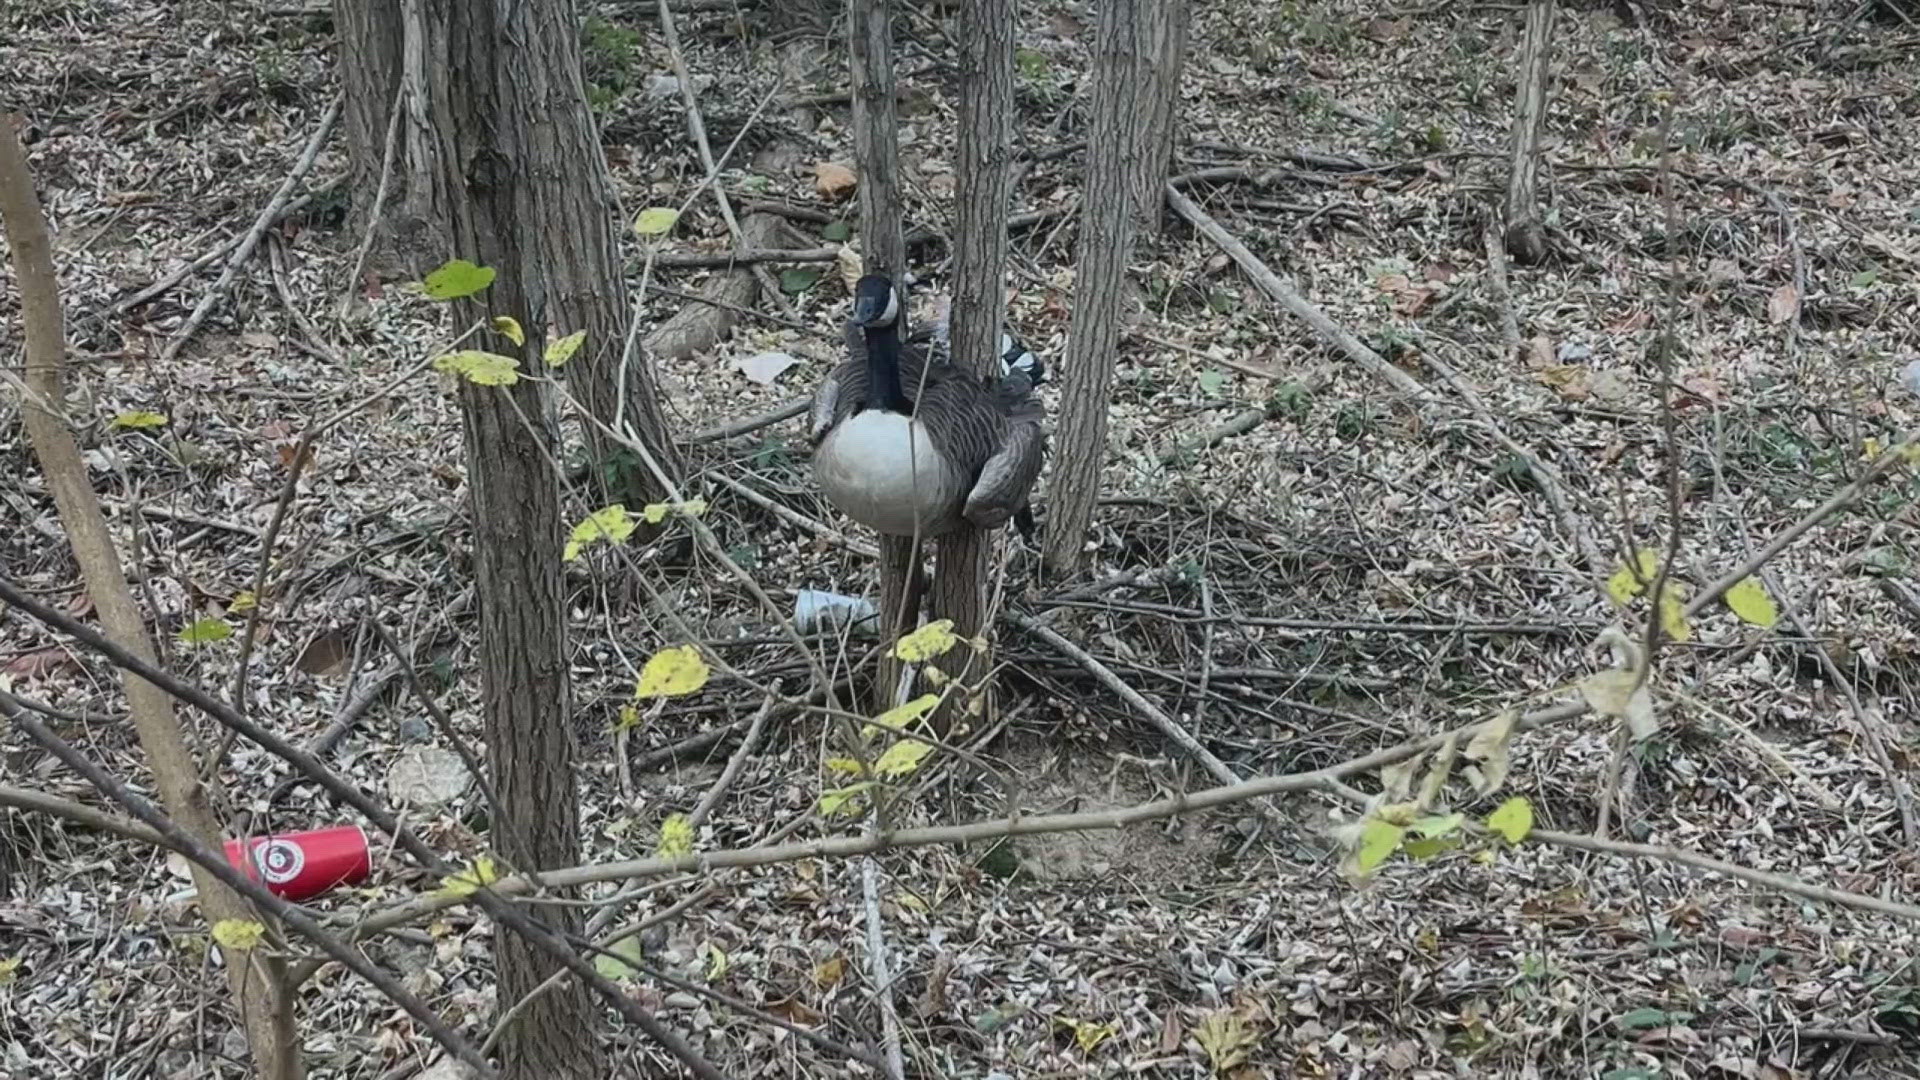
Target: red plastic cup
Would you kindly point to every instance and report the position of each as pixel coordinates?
(302, 865)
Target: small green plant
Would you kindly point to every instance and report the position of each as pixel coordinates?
(1355, 420)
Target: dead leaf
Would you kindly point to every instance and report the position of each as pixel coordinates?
(765, 367)
(39, 663)
(1539, 351)
(325, 655)
(1064, 25)
(1614, 693)
(1488, 750)
(834, 181)
(1610, 386)
(1387, 30)
(1784, 304)
(850, 264)
(1569, 379)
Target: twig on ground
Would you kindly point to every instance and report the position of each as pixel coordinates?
(1167, 725)
(1289, 298)
(737, 763)
(700, 260)
(747, 425)
(796, 518)
(260, 224)
(878, 968)
(1502, 292)
(388, 152)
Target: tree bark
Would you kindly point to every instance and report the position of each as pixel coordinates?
(1155, 46)
(883, 250)
(512, 138)
(257, 979)
(1526, 235)
(391, 53)
(1127, 41)
(981, 192)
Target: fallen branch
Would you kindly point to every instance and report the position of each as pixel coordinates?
(694, 260)
(746, 425)
(252, 239)
(1290, 299)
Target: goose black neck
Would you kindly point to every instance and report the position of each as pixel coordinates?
(883, 371)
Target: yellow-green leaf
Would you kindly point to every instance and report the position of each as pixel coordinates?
(1438, 825)
(509, 327)
(479, 367)
(845, 766)
(457, 278)
(205, 631)
(1673, 614)
(690, 508)
(1424, 848)
(902, 757)
(927, 642)
(466, 882)
(1086, 1034)
(139, 418)
(629, 718)
(1749, 600)
(655, 220)
(242, 602)
(676, 837)
(1632, 579)
(672, 673)
(717, 962)
(843, 801)
(828, 973)
(624, 963)
(1378, 839)
(1512, 819)
(610, 523)
(655, 513)
(900, 716)
(238, 935)
(9, 969)
(561, 350)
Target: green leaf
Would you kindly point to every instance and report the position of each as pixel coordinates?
(1866, 279)
(205, 632)
(1633, 578)
(676, 837)
(717, 962)
(843, 801)
(1434, 826)
(902, 757)
(457, 278)
(466, 882)
(624, 963)
(139, 419)
(929, 641)
(238, 935)
(1749, 600)
(1211, 381)
(480, 368)
(1642, 1019)
(509, 327)
(610, 523)
(1673, 614)
(837, 232)
(673, 672)
(900, 716)
(9, 969)
(1422, 849)
(1512, 819)
(1378, 839)
(656, 220)
(561, 350)
(799, 279)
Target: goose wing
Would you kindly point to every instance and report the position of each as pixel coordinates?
(1007, 477)
(844, 391)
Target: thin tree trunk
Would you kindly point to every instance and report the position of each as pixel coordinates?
(391, 52)
(513, 138)
(981, 192)
(1129, 38)
(1156, 47)
(1526, 235)
(257, 979)
(883, 250)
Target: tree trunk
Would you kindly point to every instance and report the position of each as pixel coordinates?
(511, 137)
(1155, 45)
(883, 250)
(1130, 39)
(1526, 235)
(389, 52)
(981, 192)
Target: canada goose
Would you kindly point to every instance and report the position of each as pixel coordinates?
(908, 443)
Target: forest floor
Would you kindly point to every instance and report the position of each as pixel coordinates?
(1315, 565)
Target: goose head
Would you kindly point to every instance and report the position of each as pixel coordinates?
(876, 303)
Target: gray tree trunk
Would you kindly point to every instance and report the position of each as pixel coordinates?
(883, 250)
(981, 193)
(1526, 235)
(1124, 149)
(520, 162)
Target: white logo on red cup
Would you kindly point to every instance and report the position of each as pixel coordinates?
(280, 861)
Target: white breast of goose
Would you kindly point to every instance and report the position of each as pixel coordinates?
(881, 470)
